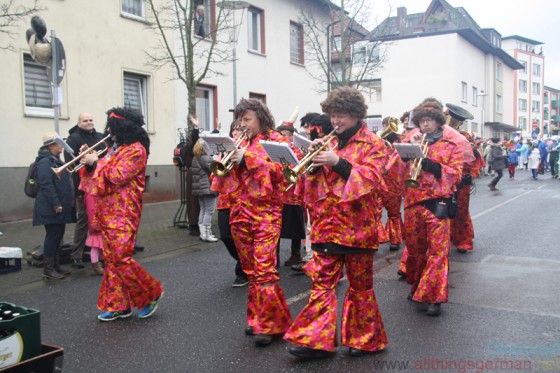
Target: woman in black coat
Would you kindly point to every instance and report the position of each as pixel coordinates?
(53, 204)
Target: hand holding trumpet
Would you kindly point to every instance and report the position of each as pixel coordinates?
(326, 157)
(90, 157)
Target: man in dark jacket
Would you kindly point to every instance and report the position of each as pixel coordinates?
(83, 133)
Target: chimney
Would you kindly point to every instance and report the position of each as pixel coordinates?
(401, 16)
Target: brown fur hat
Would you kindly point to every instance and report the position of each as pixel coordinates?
(430, 108)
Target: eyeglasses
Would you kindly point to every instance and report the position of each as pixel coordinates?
(425, 120)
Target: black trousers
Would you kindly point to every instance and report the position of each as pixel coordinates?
(53, 238)
(495, 180)
(227, 239)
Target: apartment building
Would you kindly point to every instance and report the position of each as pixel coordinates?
(528, 101)
(551, 105)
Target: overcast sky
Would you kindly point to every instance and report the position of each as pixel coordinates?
(536, 19)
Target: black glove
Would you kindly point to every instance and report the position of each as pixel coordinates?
(431, 167)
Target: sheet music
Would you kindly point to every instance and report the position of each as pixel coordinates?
(374, 124)
(410, 151)
(218, 143)
(301, 142)
(280, 152)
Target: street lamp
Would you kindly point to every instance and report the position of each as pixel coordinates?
(482, 94)
(233, 6)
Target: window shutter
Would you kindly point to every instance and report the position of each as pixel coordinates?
(37, 85)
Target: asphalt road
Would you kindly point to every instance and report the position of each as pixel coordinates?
(503, 314)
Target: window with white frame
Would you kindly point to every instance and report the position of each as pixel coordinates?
(536, 108)
(536, 69)
(463, 91)
(296, 43)
(536, 88)
(133, 8)
(203, 15)
(364, 52)
(522, 85)
(135, 93)
(255, 29)
(336, 43)
(522, 104)
(522, 123)
(498, 104)
(499, 72)
(474, 127)
(37, 87)
(475, 96)
(524, 63)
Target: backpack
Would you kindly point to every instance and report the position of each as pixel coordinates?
(31, 187)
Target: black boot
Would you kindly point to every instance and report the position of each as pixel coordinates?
(194, 230)
(58, 267)
(49, 271)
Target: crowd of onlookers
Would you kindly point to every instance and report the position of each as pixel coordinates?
(538, 155)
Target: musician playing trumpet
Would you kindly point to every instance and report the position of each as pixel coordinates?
(340, 195)
(427, 201)
(255, 185)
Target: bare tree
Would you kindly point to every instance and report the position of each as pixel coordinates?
(12, 12)
(196, 56)
(340, 52)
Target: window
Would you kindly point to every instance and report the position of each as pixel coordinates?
(522, 123)
(536, 69)
(135, 89)
(205, 104)
(522, 104)
(296, 43)
(498, 104)
(499, 72)
(37, 87)
(259, 96)
(336, 43)
(536, 88)
(524, 63)
(463, 91)
(474, 96)
(133, 8)
(363, 53)
(255, 28)
(522, 85)
(536, 107)
(474, 127)
(203, 16)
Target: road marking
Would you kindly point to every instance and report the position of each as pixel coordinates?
(499, 205)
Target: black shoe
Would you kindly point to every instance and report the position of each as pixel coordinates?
(262, 340)
(249, 330)
(78, 263)
(401, 273)
(354, 352)
(309, 353)
(461, 251)
(138, 248)
(434, 309)
(194, 230)
(409, 297)
(239, 282)
(298, 267)
(394, 247)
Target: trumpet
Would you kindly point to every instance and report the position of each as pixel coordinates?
(223, 167)
(412, 182)
(71, 165)
(392, 127)
(292, 174)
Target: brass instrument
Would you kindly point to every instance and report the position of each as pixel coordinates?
(412, 182)
(392, 127)
(71, 165)
(223, 167)
(292, 174)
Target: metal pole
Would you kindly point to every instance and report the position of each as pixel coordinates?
(234, 76)
(54, 77)
(329, 58)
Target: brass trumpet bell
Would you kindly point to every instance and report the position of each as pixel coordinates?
(72, 167)
(393, 127)
(223, 167)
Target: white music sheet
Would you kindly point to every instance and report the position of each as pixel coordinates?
(280, 152)
(410, 151)
(218, 143)
(301, 142)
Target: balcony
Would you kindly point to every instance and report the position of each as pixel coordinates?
(555, 103)
(555, 118)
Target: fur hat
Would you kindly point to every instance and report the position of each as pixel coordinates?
(49, 138)
(430, 108)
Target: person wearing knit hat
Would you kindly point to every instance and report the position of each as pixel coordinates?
(119, 181)
(426, 213)
(342, 200)
(53, 203)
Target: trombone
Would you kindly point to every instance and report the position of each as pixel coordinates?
(412, 182)
(223, 167)
(71, 165)
(304, 166)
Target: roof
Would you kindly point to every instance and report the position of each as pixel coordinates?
(503, 126)
(439, 19)
(523, 39)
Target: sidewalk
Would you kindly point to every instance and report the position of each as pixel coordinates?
(156, 234)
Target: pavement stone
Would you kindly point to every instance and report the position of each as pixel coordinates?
(157, 234)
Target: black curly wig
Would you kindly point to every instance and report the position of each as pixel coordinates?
(126, 125)
(320, 126)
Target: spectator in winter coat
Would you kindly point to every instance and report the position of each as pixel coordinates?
(497, 161)
(512, 161)
(207, 198)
